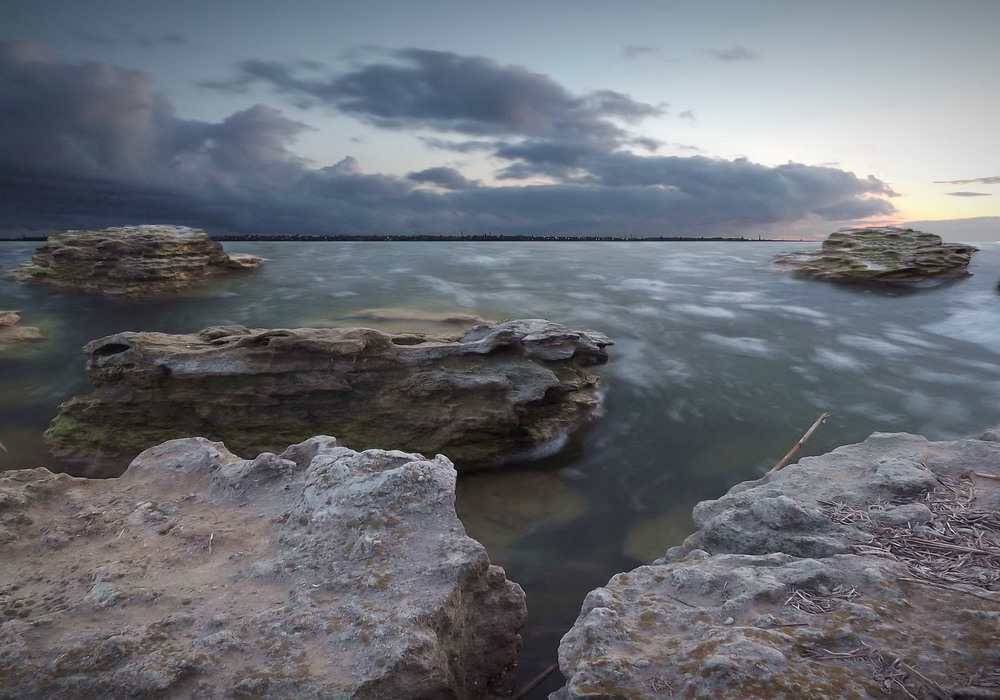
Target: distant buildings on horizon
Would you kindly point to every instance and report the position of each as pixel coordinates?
(462, 237)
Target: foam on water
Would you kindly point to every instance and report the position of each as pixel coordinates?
(978, 323)
(843, 361)
(874, 345)
(703, 311)
(793, 312)
(655, 288)
(752, 347)
(456, 292)
(729, 297)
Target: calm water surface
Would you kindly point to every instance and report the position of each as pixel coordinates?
(719, 365)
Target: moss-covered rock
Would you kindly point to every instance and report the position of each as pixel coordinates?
(134, 262)
(882, 256)
(495, 393)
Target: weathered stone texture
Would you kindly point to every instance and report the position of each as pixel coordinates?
(317, 573)
(13, 335)
(883, 256)
(495, 393)
(869, 572)
(135, 262)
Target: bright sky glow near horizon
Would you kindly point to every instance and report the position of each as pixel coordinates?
(643, 117)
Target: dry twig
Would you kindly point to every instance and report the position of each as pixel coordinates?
(802, 440)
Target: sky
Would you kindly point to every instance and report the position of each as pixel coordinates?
(549, 117)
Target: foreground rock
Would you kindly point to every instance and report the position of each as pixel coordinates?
(501, 392)
(317, 573)
(13, 335)
(134, 262)
(883, 256)
(869, 572)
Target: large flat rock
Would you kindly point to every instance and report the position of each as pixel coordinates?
(882, 256)
(134, 262)
(317, 573)
(491, 395)
(870, 572)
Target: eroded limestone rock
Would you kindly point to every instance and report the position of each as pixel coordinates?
(870, 572)
(134, 262)
(496, 393)
(883, 256)
(12, 334)
(316, 573)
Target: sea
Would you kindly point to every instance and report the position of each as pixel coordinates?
(721, 361)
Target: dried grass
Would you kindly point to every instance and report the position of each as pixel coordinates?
(817, 602)
(958, 549)
(959, 546)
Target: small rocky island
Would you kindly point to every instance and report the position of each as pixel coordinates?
(13, 335)
(869, 572)
(495, 393)
(133, 262)
(319, 572)
(882, 256)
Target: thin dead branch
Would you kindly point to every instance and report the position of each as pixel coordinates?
(802, 440)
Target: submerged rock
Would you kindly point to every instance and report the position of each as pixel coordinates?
(870, 572)
(883, 256)
(134, 262)
(317, 573)
(496, 393)
(11, 334)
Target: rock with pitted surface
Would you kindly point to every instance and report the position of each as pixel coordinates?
(870, 572)
(12, 334)
(883, 256)
(319, 572)
(508, 391)
(134, 262)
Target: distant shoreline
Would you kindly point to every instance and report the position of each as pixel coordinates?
(488, 238)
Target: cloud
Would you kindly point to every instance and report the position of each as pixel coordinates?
(446, 92)
(93, 144)
(448, 178)
(633, 51)
(969, 194)
(460, 146)
(995, 180)
(735, 53)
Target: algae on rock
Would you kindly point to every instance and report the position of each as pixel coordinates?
(496, 393)
(882, 256)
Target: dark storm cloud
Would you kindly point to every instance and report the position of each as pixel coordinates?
(448, 178)
(969, 194)
(749, 189)
(450, 93)
(92, 144)
(735, 53)
(995, 180)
